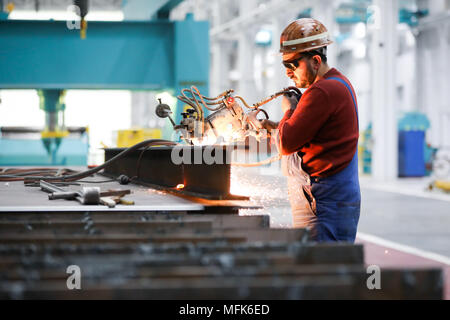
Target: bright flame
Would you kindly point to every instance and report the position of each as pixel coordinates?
(239, 188)
(180, 186)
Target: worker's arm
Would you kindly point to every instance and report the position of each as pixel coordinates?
(299, 126)
(289, 101)
(268, 124)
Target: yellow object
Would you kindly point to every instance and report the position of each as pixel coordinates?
(444, 185)
(83, 29)
(128, 138)
(104, 146)
(10, 7)
(54, 134)
(126, 202)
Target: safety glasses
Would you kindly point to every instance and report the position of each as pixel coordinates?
(292, 64)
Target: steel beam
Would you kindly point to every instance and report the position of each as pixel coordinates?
(152, 236)
(341, 285)
(218, 220)
(156, 167)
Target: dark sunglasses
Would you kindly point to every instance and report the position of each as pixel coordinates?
(292, 64)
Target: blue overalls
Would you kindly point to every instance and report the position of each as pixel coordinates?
(338, 199)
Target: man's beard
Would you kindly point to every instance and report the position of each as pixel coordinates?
(310, 76)
(307, 80)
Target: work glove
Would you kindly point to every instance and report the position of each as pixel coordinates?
(289, 101)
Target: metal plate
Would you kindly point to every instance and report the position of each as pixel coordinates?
(155, 167)
(15, 197)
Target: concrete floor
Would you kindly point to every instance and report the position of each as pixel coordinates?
(414, 221)
(404, 213)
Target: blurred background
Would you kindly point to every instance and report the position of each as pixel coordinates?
(394, 52)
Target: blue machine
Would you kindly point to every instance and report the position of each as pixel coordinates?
(411, 156)
(130, 55)
(414, 156)
(71, 152)
(411, 144)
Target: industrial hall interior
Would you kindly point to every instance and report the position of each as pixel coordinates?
(225, 149)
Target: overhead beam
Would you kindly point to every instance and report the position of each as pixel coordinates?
(261, 13)
(115, 55)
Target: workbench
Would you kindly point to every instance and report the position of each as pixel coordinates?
(16, 197)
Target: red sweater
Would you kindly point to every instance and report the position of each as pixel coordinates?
(323, 128)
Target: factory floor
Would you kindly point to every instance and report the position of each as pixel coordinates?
(401, 224)
(404, 224)
(407, 214)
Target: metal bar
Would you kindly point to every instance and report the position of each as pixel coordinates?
(120, 262)
(218, 220)
(48, 187)
(393, 281)
(228, 260)
(47, 225)
(94, 235)
(396, 285)
(55, 272)
(73, 227)
(95, 208)
(251, 288)
(297, 249)
(116, 238)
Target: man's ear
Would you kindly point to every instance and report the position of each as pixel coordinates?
(317, 61)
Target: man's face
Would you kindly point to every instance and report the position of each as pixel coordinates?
(303, 75)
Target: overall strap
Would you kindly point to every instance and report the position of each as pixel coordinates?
(350, 90)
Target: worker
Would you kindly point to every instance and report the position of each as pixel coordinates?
(318, 136)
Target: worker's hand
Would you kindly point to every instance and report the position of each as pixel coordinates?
(289, 101)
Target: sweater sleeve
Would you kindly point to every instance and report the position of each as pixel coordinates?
(299, 127)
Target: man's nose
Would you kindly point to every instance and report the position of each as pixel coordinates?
(289, 72)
